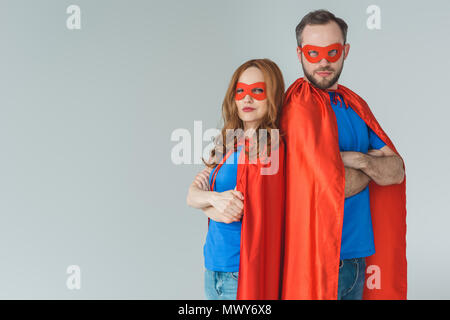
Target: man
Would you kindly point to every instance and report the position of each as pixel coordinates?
(345, 188)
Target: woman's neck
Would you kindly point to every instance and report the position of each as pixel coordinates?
(249, 126)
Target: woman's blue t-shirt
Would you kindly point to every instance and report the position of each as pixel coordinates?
(223, 241)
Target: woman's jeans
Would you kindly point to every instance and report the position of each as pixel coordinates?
(221, 285)
(351, 279)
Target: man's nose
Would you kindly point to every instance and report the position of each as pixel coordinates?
(324, 62)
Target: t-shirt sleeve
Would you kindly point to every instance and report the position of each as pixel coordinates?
(374, 141)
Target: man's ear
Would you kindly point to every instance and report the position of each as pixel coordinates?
(299, 54)
(347, 49)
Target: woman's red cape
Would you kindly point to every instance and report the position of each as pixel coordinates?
(260, 265)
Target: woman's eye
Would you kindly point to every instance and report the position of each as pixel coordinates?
(239, 90)
(313, 53)
(257, 90)
(332, 53)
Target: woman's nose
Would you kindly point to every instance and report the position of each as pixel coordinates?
(248, 98)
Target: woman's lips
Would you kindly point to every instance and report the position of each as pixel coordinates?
(248, 109)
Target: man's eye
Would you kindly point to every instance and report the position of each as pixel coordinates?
(257, 90)
(313, 53)
(332, 53)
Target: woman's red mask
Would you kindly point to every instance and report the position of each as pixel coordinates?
(315, 53)
(256, 90)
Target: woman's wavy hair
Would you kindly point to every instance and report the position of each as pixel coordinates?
(275, 94)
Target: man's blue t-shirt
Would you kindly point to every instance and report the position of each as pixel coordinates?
(355, 135)
(223, 242)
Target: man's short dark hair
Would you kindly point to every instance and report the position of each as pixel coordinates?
(319, 17)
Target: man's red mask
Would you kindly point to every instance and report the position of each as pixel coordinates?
(256, 90)
(315, 53)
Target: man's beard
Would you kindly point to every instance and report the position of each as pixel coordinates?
(324, 84)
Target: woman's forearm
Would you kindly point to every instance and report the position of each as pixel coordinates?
(198, 198)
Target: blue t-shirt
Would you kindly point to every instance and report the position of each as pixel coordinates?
(223, 241)
(355, 135)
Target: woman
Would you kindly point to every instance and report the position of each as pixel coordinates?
(242, 193)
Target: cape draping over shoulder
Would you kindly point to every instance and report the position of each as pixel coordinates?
(315, 185)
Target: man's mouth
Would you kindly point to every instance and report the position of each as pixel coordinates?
(324, 73)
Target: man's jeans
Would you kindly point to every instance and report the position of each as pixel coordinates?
(351, 279)
(221, 285)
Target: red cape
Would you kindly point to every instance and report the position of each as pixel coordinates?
(262, 230)
(315, 184)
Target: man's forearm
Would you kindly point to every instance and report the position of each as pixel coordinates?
(355, 181)
(385, 170)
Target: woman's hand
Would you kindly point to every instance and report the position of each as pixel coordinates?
(228, 206)
(202, 179)
(215, 215)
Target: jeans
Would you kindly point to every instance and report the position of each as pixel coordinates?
(221, 285)
(351, 278)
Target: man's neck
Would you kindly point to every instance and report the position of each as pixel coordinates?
(333, 87)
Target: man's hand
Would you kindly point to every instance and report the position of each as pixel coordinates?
(375, 153)
(353, 159)
(383, 166)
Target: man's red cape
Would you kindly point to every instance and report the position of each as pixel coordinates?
(262, 231)
(315, 184)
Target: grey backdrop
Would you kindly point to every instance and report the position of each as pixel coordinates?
(86, 176)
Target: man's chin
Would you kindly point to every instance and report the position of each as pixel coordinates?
(322, 83)
(323, 80)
